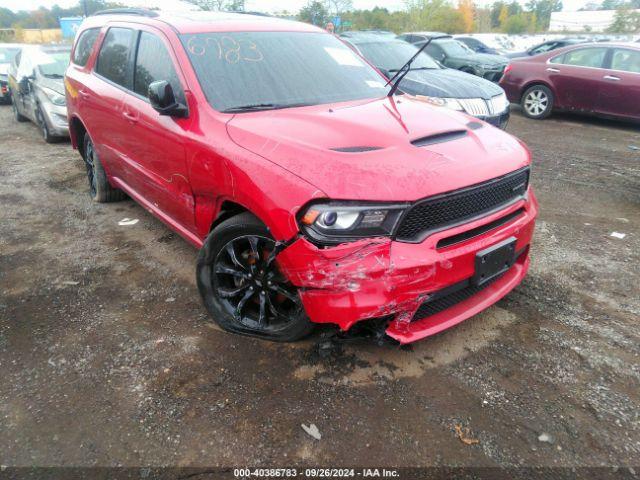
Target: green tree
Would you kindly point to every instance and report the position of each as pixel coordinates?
(315, 13)
(516, 24)
(496, 9)
(436, 15)
(543, 10)
(7, 17)
(625, 21)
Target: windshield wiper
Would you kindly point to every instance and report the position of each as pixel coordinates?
(403, 70)
(263, 106)
(53, 75)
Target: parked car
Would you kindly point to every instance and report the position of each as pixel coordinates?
(444, 86)
(546, 47)
(454, 54)
(477, 45)
(7, 52)
(313, 195)
(37, 89)
(596, 78)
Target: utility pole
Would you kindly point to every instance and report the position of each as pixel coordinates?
(84, 8)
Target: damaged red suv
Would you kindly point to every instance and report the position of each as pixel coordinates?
(313, 195)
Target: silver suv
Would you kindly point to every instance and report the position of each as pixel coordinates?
(36, 84)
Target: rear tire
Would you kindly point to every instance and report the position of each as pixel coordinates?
(241, 285)
(99, 188)
(537, 102)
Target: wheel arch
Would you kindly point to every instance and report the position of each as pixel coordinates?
(533, 83)
(77, 131)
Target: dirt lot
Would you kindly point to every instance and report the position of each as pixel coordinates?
(108, 357)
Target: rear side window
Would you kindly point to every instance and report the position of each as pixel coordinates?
(84, 45)
(113, 59)
(626, 60)
(154, 63)
(585, 57)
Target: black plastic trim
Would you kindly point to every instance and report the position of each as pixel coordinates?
(439, 138)
(475, 232)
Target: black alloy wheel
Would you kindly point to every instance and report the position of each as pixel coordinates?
(250, 287)
(89, 161)
(242, 286)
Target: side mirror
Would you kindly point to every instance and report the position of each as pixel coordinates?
(163, 100)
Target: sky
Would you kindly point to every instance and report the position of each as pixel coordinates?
(261, 5)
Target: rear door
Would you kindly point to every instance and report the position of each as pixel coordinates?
(155, 144)
(620, 91)
(576, 77)
(101, 97)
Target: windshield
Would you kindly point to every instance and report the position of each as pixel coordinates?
(391, 56)
(7, 54)
(279, 69)
(453, 48)
(53, 64)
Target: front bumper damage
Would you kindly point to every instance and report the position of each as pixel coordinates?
(379, 277)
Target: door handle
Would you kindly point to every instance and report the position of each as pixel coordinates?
(553, 70)
(611, 77)
(84, 94)
(130, 117)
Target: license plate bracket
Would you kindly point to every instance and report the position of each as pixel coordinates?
(494, 261)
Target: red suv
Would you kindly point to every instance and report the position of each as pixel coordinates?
(312, 194)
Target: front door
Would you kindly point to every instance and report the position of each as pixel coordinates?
(620, 90)
(155, 145)
(577, 78)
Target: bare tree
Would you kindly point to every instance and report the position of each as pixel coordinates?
(338, 7)
(220, 5)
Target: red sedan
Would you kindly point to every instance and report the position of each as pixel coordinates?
(594, 78)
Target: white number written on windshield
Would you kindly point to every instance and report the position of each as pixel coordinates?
(225, 48)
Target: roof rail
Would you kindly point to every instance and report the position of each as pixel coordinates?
(143, 12)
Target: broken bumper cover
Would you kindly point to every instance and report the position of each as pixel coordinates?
(378, 277)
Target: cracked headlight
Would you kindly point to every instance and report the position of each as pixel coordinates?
(332, 223)
(54, 97)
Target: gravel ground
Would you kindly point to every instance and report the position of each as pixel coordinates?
(108, 357)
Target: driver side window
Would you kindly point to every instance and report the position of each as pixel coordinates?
(545, 47)
(154, 63)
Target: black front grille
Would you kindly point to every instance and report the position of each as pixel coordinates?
(460, 206)
(449, 297)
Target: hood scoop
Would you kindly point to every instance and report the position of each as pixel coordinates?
(439, 138)
(358, 149)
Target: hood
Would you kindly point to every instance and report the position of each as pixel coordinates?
(55, 84)
(449, 83)
(364, 150)
(488, 59)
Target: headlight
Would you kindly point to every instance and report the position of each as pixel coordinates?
(451, 103)
(338, 222)
(54, 96)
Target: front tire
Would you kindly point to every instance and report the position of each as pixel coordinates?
(99, 188)
(44, 128)
(537, 102)
(18, 117)
(242, 287)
